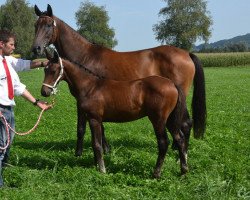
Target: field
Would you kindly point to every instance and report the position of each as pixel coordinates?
(224, 59)
(43, 165)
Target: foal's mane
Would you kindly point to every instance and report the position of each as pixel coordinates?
(85, 69)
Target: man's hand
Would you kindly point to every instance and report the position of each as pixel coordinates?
(43, 105)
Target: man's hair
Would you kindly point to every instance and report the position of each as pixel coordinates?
(5, 35)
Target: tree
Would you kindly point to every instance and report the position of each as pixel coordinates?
(184, 22)
(236, 47)
(17, 17)
(92, 22)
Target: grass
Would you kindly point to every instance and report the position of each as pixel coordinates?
(44, 165)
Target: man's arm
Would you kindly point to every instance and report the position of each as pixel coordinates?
(37, 64)
(41, 104)
(22, 65)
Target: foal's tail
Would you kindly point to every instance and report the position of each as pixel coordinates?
(176, 117)
(199, 99)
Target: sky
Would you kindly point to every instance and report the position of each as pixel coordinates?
(133, 20)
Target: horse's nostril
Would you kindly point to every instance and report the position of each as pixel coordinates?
(45, 93)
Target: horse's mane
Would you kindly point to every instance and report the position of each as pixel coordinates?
(77, 35)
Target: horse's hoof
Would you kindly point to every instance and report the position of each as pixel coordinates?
(184, 170)
(78, 153)
(103, 170)
(156, 175)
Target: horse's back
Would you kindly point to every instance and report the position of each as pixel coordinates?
(166, 61)
(160, 91)
(161, 85)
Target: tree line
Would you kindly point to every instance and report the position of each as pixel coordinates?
(182, 23)
(230, 47)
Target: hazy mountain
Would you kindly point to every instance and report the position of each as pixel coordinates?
(222, 43)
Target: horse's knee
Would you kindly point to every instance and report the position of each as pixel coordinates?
(163, 143)
(186, 126)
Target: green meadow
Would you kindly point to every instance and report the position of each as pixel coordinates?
(43, 165)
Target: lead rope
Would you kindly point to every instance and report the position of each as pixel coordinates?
(8, 127)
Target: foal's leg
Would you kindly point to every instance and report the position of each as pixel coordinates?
(81, 129)
(163, 142)
(96, 132)
(105, 145)
(179, 137)
(186, 130)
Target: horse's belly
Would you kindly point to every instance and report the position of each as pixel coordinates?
(122, 117)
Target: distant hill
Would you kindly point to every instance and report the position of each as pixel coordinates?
(222, 43)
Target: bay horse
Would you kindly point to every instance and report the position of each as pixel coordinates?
(102, 100)
(180, 66)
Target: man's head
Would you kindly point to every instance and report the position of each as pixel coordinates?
(7, 42)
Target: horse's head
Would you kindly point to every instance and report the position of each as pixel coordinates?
(53, 74)
(45, 30)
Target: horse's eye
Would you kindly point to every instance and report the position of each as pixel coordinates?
(48, 25)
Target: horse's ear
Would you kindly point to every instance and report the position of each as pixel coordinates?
(37, 11)
(49, 11)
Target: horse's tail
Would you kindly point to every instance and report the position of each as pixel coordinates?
(176, 117)
(199, 111)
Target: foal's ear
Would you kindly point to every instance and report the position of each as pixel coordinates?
(49, 11)
(37, 11)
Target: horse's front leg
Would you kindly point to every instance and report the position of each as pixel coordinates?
(96, 133)
(81, 129)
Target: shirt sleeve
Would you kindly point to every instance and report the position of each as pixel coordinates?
(17, 85)
(19, 64)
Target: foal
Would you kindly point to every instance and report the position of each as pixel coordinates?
(102, 100)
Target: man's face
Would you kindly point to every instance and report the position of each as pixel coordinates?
(8, 47)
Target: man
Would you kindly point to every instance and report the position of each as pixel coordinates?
(10, 85)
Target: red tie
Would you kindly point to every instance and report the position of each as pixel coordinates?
(9, 81)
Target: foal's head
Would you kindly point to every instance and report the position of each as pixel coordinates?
(45, 30)
(53, 74)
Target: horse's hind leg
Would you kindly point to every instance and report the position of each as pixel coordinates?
(163, 142)
(179, 137)
(182, 151)
(81, 128)
(96, 132)
(186, 129)
(105, 145)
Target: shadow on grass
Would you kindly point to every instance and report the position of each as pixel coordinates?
(48, 145)
(54, 155)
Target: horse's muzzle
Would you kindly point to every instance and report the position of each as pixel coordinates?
(37, 50)
(45, 91)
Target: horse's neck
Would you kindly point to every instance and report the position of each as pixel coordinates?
(70, 44)
(78, 79)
